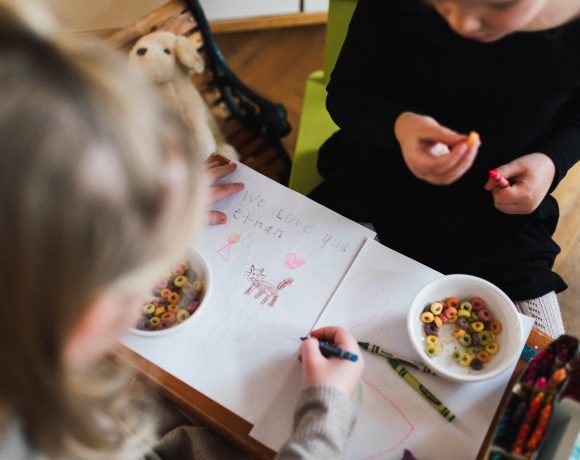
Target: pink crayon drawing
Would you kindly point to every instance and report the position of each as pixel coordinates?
(224, 251)
(290, 339)
(268, 290)
(389, 401)
(375, 396)
(292, 261)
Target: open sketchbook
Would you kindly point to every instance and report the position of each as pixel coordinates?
(372, 303)
(274, 266)
(281, 266)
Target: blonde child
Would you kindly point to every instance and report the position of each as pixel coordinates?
(99, 193)
(413, 74)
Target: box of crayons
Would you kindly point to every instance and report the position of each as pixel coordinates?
(551, 377)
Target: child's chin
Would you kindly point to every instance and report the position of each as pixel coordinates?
(489, 38)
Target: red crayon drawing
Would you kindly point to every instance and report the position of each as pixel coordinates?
(268, 290)
(397, 409)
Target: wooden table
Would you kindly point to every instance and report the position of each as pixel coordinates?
(232, 426)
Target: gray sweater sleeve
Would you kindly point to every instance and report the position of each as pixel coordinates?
(323, 421)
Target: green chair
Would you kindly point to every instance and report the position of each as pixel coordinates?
(315, 123)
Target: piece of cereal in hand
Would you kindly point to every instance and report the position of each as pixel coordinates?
(472, 139)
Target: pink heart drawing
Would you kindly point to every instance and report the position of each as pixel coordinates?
(292, 261)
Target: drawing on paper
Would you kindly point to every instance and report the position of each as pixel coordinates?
(292, 261)
(381, 304)
(224, 251)
(409, 426)
(264, 288)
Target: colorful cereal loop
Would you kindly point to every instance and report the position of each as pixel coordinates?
(495, 327)
(492, 348)
(431, 340)
(483, 356)
(436, 308)
(427, 317)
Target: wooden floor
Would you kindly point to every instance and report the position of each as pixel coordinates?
(276, 64)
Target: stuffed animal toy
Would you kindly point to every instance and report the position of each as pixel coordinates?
(169, 61)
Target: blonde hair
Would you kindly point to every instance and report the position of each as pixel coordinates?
(87, 201)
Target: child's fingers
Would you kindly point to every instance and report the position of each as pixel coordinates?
(449, 162)
(465, 161)
(456, 164)
(337, 336)
(505, 196)
(218, 172)
(216, 218)
(514, 199)
(433, 132)
(219, 192)
(344, 339)
(458, 169)
(511, 207)
(491, 184)
(512, 169)
(326, 334)
(509, 170)
(312, 358)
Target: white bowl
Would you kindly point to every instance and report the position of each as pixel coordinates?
(510, 340)
(200, 267)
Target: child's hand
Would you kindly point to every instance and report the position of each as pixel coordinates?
(530, 179)
(219, 192)
(334, 372)
(417, 134)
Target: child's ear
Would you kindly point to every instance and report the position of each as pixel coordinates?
(188, 56)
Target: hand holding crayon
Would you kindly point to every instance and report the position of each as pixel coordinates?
(518, 187)
(497, 177)
(333, 364)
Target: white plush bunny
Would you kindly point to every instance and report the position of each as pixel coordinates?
(169, 61)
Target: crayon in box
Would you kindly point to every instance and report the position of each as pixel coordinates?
(545, 391)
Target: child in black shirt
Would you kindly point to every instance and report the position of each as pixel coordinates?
(412, 75)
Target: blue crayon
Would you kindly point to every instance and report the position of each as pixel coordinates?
(328, 350)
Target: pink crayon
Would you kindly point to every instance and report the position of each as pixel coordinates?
(502, 181)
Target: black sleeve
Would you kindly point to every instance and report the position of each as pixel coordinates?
(359, 99)
(563, 146)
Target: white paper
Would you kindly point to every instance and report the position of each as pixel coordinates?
(274, 265)
(372, 303)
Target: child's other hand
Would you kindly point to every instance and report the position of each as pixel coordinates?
(530, 179)
(219, 192)
(333, 372)
(417, 134)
